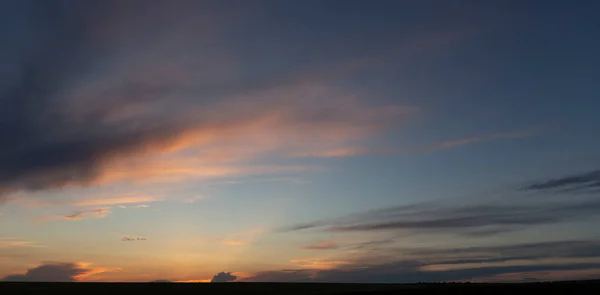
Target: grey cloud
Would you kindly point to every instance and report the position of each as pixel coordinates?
(478, 262)
(512, 213)
(50, 272)
(131, 239)
(71, 69)
(44, 144)
(578, 182)
(405, 272)
(469, 220)
(223, 277)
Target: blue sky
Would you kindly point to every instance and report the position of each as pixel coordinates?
(375, 141)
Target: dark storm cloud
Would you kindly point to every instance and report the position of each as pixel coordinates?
(578, 182)
(51, 272)
(223, 277)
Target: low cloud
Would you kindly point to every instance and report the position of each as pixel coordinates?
(223, 277)
(580, 258)
(56, 272)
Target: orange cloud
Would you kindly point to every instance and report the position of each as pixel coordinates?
(80, 215)
(11, 242)
(319, 264)
(232, 243)
(323, 245)
(98, 201)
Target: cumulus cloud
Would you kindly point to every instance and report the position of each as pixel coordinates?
(56, 272)
(223, 277)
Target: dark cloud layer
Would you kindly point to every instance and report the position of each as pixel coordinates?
(469, 220)
(84, 84)
(50, 272)
(477, 262)
(406, 272)
(579, 182)
(515, 212)
(56, 50)
(223, 277)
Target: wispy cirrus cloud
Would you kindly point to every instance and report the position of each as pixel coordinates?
(583, 182)
(162, 115)
(428, 264)
(80, 215)
(100, 201)
(440, 146)
(13, 242)
(322, 245)
(474, 219)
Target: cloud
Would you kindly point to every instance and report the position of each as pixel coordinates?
(232, 243)
(12, 242)
(100, 201)
(223, 277)
(323, 245)
(99, 95)
(589, 181)
(513, 212)
(428, 264)
(470, 220)
(444, 145)
(57, 272)
(131, 239)
(80, 215)
(477, 139)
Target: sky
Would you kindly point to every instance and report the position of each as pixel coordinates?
(299, 141)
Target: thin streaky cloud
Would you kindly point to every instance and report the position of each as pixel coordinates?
(575, 182)
(80, 215)
(444, 145)
(322, 245)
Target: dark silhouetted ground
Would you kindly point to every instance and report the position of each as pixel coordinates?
(295, 288)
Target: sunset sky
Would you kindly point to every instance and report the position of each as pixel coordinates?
(336, 141)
